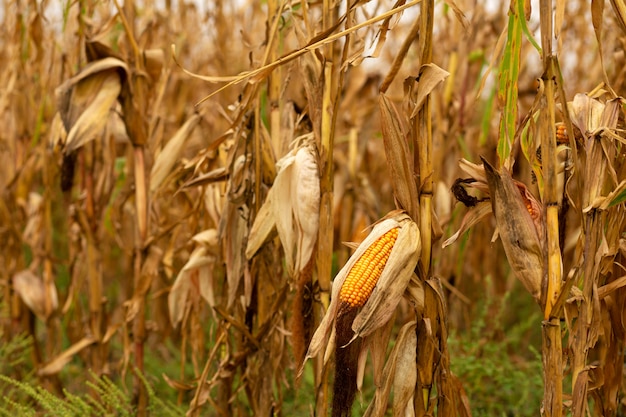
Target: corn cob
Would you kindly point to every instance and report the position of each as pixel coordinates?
(365, 273)
(561, 134)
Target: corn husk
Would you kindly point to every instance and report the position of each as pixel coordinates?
(521, 237)
(292, 206)
(32, 290)
(386, 294)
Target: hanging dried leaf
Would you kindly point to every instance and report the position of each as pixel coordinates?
(201, 261)
(305, 195)
(171, 153)
(398, 157)
(405, 375)
(406, 336)
(430, 76)
(263, 225)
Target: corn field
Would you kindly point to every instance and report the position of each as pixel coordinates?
(298, 207)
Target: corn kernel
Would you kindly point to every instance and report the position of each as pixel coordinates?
(365, 273)
(561, 134)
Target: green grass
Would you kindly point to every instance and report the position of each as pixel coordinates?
(499, 359)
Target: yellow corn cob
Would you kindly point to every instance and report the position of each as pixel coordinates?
(365, 273)
(561, 134)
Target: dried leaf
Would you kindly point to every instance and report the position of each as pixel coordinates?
(619, 7)
(177, 298)
(398, 157)
(429, 78)
(56, 365)
(378, 406)
(263, 225)
(612, 286)
(405, 375)
(171, 153)
(586, 113)
(617, 196)
(472, 217)
(282, 209)
(33, 231)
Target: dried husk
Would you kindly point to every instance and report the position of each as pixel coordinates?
(84, 101)
(397, 374)
(392, 283)
(292, 205)
(306, 202)
(283, 209)
(518, 232)
(596, 121)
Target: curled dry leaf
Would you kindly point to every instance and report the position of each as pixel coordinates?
(472, 217)
(196, 276)
(171, 153)
(430, 76)
(405, 375)
(305, 194)
(32, 290)
(597, 122)
(233, 228)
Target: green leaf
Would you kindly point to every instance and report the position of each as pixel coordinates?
(507, 83)
(619, 199)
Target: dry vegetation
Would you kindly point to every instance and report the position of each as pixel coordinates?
(180, 186)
